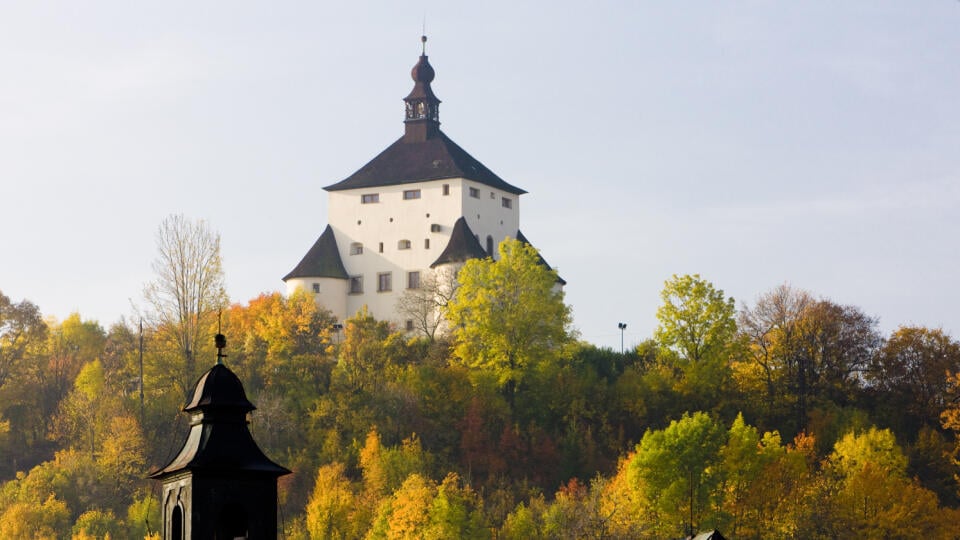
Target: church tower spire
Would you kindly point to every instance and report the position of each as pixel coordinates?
(422, 120)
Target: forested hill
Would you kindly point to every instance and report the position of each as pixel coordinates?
(791, 417)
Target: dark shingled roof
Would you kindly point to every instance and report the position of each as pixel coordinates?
(219, 439)
(543, 261)
(323, 259)
(463, 246)
(434, 158)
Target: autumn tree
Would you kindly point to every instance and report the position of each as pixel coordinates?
(508, 314)
(873, 494)
(188, 289)
(23, 340)
(771, 328)
(331, 509)
(908, 376)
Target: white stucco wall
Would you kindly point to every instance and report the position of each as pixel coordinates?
(393, 219)
(332, 295)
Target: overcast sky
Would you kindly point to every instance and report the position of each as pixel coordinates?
(754, 143)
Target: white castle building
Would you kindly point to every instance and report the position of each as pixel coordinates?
(423, 205)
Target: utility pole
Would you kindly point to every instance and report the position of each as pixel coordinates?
(142, 417)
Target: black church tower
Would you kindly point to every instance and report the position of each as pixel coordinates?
(220, 485)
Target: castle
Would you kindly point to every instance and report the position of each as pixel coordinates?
(418, 210)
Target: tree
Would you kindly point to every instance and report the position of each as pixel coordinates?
(909, 375)
(508, 314)
(771, 331)
(332, 505)
(675, 468)
(22, 331)
(696, 320)
(698, 328)
(427, 304)
(188, 288)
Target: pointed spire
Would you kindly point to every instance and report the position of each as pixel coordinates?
(422, 120)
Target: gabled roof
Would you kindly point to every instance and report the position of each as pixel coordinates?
(543, 261)
(323, 260)
(407, 161)
(463, 246)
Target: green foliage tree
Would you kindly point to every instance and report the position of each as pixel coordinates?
(697, 324)
(456, 512)
(676, 469)
(508, 314)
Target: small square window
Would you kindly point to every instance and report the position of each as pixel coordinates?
(403, 244)
(369, 198)
(356, 248)
(356, 284)
(493, 195)
(506, 203)
(475, 193)
(385, 281)
(316, 288)
(446, 189)
(411, 194)
(413, 280)
(435, 227)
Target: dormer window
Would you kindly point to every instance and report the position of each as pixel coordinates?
(369, 198)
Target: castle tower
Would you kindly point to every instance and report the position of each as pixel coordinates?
(220, 485)
(422, 206)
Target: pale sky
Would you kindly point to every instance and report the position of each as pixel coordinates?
(752, 142)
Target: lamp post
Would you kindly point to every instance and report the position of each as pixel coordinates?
(622, 326)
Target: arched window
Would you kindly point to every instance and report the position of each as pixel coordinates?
(403, 244)
(490, 245)
(176, 523)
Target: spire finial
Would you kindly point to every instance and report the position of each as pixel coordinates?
(423, 40)
(220, 340)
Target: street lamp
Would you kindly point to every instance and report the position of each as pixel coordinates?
(622, 326)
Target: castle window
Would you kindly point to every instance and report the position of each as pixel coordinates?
(411, 194)
(316, 288)
(435, 227)
(356, 248)
(381, 247)
(426, 243)
(475, 193)
(369, 198)
(385, 282)
(403, 244)
(409, 325)
(490, 245)
(413, 280)
(356, 284)
(493, 195)
(446, 189)
(506, 203)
